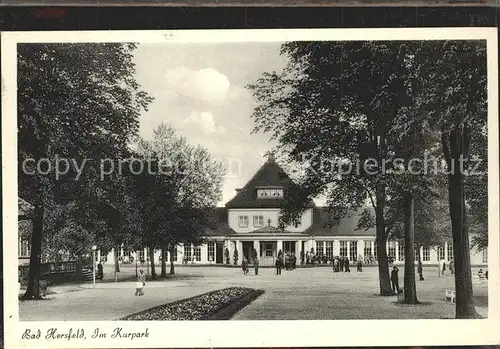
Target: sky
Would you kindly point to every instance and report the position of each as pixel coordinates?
(199, 89)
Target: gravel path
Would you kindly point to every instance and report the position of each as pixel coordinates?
(312, 293)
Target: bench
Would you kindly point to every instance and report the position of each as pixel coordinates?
(450, 296)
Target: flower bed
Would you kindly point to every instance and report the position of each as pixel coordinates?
(216, 305)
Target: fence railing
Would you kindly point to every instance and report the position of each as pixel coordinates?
(65, 267)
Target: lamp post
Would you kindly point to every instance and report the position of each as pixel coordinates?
(94, 248)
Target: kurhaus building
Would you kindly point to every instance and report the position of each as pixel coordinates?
(249, 221)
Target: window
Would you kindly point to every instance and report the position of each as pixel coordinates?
(243, 221)
(343, 248)
(266, 249)
(353, 253)
(211, 251)
(270, 193)
(319, 247)
(173, 257)
(450, 250)
(426, 255)
(440, 253)
(197, 253)
(485, 255)
(187, 252)
(375, 252)
(391, 251)
(258, 221)
(24, 248)
(329, 250)
(401, 251)
(367, 250)
(416, 254)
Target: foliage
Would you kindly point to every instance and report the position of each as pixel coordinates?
(76, 102)
(226, 255)
(235, 256)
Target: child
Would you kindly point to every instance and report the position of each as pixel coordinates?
(141, 282)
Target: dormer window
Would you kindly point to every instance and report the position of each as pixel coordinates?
(276, 193)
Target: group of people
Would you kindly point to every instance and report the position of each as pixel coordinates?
(287, 261)
(245, 265)
(341, 263)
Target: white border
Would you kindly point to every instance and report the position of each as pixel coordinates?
(236, 333)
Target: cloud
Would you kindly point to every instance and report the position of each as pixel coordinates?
(205, 121)
(207, 84)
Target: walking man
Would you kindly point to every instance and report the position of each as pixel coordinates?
(395, 280)
(278, 266)
(256, 265)
(346, 265)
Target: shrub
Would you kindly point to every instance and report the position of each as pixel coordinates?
(235, 257)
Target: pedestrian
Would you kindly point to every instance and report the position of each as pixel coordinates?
(307, 257)
(100, 272)
(141, 282)
(341, 263)
(287, 261)
(244, 265)
(278, 266)
(294, 261)
(346, 265)
(395, 280)
(335, 264)
(443, 263)
(256, 265)
(359, 266)
(452, 266)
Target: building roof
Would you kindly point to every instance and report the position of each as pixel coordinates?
(219, 226)
(322, 225)
(24, 208)
(270, 230)
(270, 175)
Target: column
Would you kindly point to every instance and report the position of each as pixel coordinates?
(361, 247)
(372, 248)
(348, 249)
(336, 248)
(204, 253)
(98, 255)
(397, 251)
(237, 246)
(312, 244)
(279, 246)
(256, 246)
(298, 248)
(446, 251)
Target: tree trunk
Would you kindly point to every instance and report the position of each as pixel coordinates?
(410, 288)
(419, 261)
(383, 264)
(33, 290)
(455, 152)
(117, 263)
(152, 260)
(163, 260)
(172, 251)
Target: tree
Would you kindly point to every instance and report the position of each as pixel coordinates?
(63, 89)
(321, 117)
(453, 100)
(177, 196)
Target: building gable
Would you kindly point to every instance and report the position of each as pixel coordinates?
(270, 176)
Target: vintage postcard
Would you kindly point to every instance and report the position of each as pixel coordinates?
(245, 188)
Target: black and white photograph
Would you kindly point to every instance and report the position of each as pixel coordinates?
(249, 175)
